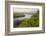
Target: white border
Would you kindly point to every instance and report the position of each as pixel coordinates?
(28, 28)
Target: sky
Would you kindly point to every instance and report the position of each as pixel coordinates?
(16, 10)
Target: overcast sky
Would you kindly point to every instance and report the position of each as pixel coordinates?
(16, 10)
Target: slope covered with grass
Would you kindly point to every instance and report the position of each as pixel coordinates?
(33, 21)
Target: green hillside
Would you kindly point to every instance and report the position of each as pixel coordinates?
(32, 22)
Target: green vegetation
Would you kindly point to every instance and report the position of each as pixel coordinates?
(32, 22)
(16, 15)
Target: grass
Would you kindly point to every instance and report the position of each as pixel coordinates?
(31, 22)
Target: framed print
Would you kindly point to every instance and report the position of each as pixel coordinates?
(24, 17)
